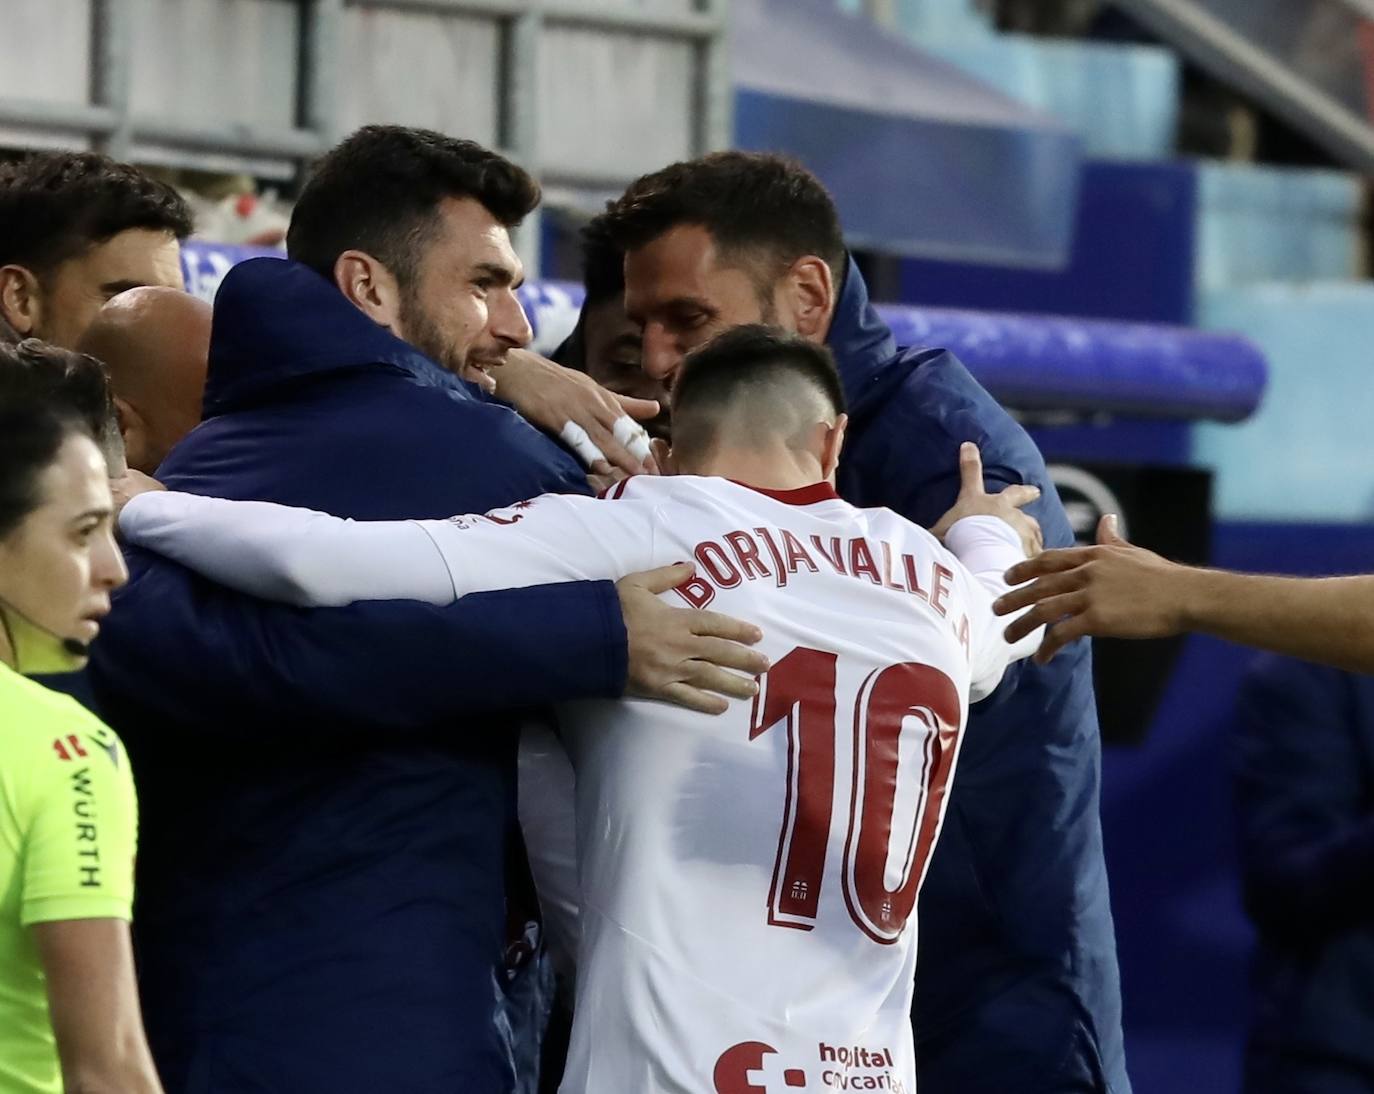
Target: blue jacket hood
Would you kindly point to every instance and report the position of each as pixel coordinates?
(862, 343)
(277, 321)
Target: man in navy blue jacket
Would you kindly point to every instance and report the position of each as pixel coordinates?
(1017, 987)
(1304, 769)
(327, 796)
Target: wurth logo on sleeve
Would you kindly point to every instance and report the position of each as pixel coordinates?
(87, 835)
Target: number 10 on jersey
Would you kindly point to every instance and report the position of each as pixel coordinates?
(799, 692)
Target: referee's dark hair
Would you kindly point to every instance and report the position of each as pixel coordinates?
(768, 379)
(46, 394)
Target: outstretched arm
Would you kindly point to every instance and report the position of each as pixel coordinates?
(401, 664)
(178, 646)
(312, 559)
(296, 556)
(1116, 590)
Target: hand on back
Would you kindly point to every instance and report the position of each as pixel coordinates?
(692, 658)
(128, 486)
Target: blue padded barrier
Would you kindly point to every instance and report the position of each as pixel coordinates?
(1029, 362)
(1093, 366)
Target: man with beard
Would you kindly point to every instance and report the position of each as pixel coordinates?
(1017, 986)
(77, 228)
(328, 797)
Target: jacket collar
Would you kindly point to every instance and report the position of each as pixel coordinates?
(277, 321)
(862, 343)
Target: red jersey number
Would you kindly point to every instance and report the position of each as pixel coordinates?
(799, 691)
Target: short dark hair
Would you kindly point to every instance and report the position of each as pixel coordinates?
(603, 278)
(750, 202)
(603, 261)
(379, 191)
(722, 373)
(46, 395)
(57, 205)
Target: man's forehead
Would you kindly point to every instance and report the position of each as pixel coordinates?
(684, 265)
(136, 257)
(686, 253)
(471, 235)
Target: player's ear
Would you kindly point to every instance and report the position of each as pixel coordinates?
(832, 445)
(371, 288)
(133, 430)
(809, 290)
(21, 301)
(663, 456)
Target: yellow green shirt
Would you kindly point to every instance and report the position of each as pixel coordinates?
(68, 827)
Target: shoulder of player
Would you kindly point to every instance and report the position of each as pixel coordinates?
(46, 731)
(942, 403)
(656, 487)
(891, 525)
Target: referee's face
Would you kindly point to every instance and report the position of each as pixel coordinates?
(59, 566)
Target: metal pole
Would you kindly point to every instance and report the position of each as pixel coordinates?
(111, 72)
(520, 116)
(715, 99)
(1211, 42)
(319, 73)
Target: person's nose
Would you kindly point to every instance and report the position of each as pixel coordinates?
(108, 571)
(661, 356)
(509, 324)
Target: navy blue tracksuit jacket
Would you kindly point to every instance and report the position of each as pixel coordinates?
(1017, 987)
(326, 795)
(1303, 752)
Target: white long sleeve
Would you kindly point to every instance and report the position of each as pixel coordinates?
(313, 559)
(294, 555)
(988, 547)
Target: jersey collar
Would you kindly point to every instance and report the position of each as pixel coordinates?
(802, 495)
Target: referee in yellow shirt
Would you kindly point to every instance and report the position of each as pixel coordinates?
(69, 1013)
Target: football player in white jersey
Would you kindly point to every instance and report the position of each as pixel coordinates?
(747, 881)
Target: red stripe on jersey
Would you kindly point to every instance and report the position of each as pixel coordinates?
(616, 489)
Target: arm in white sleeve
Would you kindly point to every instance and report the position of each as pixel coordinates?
(986, 548)
(293, 555)
(554, 537)
(316, 560)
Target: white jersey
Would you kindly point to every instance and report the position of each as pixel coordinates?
(748, 882)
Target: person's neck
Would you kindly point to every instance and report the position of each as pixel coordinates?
(776, 468)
